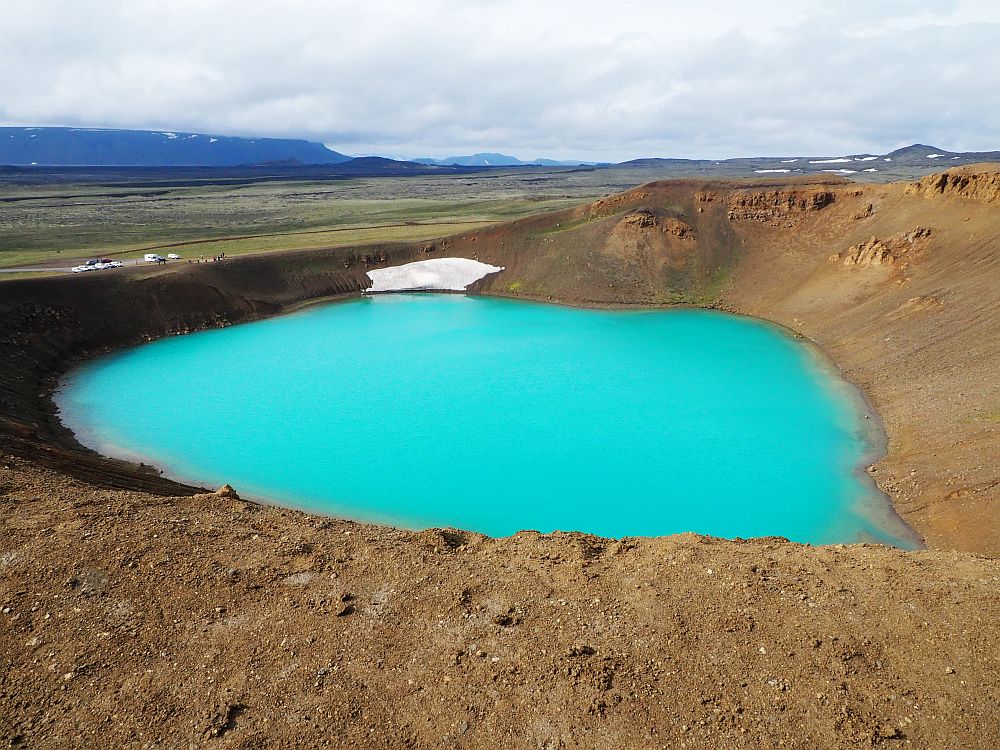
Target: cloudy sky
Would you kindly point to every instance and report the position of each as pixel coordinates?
(559, 78)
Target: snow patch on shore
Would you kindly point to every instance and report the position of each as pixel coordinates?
(444, 274)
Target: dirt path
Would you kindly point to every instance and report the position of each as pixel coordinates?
(61, 263)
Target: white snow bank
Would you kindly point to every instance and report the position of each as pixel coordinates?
(771, 171)
(839, 171)
(451, 274)
(831, 161)
(870, 169)
(865, 158)
(934, 156)
(788, 161)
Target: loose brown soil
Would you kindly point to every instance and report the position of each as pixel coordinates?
(138, 614)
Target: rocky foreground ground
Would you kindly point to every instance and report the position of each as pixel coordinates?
(138, 622)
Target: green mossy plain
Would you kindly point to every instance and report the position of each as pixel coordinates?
(38, 226)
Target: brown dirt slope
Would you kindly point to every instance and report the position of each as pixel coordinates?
(133, 618)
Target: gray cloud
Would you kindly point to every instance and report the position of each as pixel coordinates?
(561, 79)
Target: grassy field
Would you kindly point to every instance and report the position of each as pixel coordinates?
(70, 222)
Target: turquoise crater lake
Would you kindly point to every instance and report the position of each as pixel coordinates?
(496, 416)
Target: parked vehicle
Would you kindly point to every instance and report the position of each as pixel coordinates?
(98, 264)
(153, 258)
(173, 256)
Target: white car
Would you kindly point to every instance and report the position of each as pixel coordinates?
(173, 256)
(97, 265)
(153, 258)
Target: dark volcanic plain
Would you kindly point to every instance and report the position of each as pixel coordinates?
(138, 613)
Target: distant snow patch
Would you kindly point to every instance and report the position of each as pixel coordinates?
(771, 171)
(866, 158)
(888, 158)
(212, 140)
(169, 135)
(934, 156)
(445, 274)
(956, 157)
(831, 161)
(870, 169)
(840, 171)
(788, 161)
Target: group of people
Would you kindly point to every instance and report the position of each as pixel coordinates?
(215, 258)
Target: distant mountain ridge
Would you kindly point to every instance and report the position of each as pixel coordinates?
(490, 159)
(153, 148)
(916, 158)
(60, 147)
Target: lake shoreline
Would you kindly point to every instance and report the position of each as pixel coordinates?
(262, 286)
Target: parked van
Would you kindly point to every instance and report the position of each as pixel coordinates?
(153, 258)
